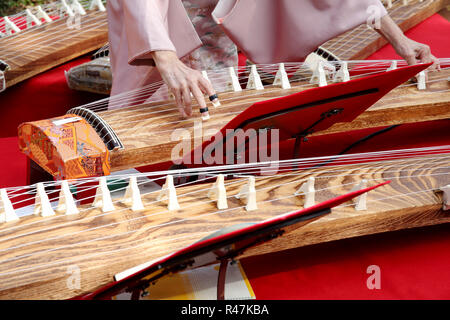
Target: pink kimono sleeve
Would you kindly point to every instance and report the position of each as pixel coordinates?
(269, 31)
(152, 25)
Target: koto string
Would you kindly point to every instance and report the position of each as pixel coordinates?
(117, 100)
(226, 184)
(52, 10)
(89, 17)
(189, 121)
(221, 169)
(153, 241)
(135, 108)
(223, 100)
(365, 156)
(374, 34)
(278, 176)
(104, 102)
(26, 37)
(247, 172)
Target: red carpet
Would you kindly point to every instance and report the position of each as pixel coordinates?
(414, 263)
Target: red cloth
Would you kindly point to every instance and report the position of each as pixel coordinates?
(414, 263)
(13, 169)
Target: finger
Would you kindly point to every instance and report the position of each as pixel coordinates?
(187, 101)
(201, 101)
(208, 89)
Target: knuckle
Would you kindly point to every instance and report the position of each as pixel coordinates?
(206, 83)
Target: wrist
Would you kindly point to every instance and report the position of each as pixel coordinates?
(163, 56)
(391, 32)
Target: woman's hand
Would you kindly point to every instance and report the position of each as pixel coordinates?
(182, 81)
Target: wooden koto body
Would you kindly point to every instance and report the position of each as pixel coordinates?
(145, 131)
(38, 253)
(405, 104)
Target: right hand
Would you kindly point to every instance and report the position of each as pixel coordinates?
(182, 81)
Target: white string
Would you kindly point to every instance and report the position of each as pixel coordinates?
(155, 241)
(167, 104)
(90, 16)
(140, 95)
(118, 100)
(174, 222)
(52, 11)
(247, 171)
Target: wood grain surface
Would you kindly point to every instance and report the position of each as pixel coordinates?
(38, 255)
